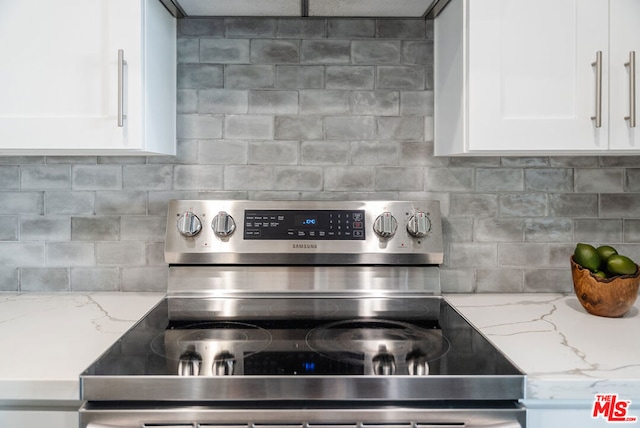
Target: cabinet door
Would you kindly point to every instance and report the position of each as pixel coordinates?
(532, 85)
(625, 39)
(59, 74)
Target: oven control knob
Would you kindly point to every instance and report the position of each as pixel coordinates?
(223, 364)
(383, 362)
(223, 224)
(385, 225)
(417, 363)
(189, 224)
(189, 364)
(419, 225)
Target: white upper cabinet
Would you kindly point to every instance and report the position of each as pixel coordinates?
(63, 85)
(624, 49)
(520, 76)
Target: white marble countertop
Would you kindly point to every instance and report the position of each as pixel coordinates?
(49, 339)
(566, 353)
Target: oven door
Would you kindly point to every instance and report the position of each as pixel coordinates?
(304, 415)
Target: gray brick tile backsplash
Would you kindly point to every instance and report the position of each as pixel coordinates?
(198, 126)
(95, 279)
(416, 103)
(350, 127)
(9, 226)
(224, 51)
(325, 52)
(324, 102)
(503, 280)
(474, 205)
(121, 203)
(273, 152)
(275, 51)
(47, 177)
(96, 177)
(299, 76)
(307, 28)
(198, 177)
(548, 230)
(375, 52)
(603, 231)
(379, 103)
(222, 152)
(499, 179)
(350, 77)
(547, 280)
(401, 128)
(374, 153)
(72, 203)
(248, 27)
(120, 253)
(573, 205)
(273, 102)
(405, 77)
(498, 230)
(44, 279)
(147, 177)
(605, 180)
(220, 101)
(549, 180)
(146, 229)
(45, 228)
(400, 28)
(313, 109)
(417, 52)
(70, 254)
(299, 128)
(16, 202)
(201, 27)
(188, 50)
(95, 228)
(243, 127)
(324, 153)
(351, 28)
(631, 229)
(10, 177)
(200, 76)
(9, 278)
(523, 204)
(305, 178)
(245, 76)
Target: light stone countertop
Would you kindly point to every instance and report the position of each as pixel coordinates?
(49, 339)
(567, 353)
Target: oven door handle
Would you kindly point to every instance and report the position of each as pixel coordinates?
(512, 424)
(99, 425)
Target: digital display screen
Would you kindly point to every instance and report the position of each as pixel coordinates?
(305, 220)
(304, 224)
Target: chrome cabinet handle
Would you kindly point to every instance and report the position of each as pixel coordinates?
(632, 89)
(121, 64)
(598, 65)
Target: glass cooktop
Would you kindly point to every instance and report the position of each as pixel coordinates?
(290, 337)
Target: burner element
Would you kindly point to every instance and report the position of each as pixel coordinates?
(383, 347)
(384, 363)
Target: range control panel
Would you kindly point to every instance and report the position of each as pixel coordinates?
(304, 224)
(303, 232)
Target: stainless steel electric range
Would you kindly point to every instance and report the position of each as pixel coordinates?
(303, 315)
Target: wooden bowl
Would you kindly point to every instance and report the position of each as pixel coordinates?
(605, 297)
